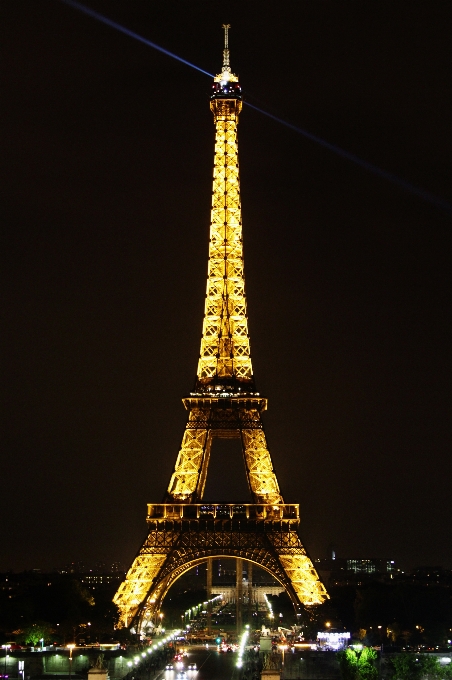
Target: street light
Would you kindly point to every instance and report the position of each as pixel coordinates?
(70, 648)
(283, 649)
(6, 647)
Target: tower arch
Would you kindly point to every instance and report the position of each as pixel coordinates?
(154, 601)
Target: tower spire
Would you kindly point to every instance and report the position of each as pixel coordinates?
(226, 67)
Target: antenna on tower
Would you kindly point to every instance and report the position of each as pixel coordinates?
(226, 66)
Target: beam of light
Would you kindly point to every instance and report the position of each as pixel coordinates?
(417, 191)
(105, 20)
(437, 201)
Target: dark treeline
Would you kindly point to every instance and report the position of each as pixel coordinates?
(404, 614)
(57, 607)
(60, 608)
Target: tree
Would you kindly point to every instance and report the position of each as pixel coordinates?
(400, 610)
(406, 667)
(446, 671)
(348, 664)
(358, 664)
(33, 634)
(366, 667)
(415, 667)
(431, 668)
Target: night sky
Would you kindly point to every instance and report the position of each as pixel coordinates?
(106, 187)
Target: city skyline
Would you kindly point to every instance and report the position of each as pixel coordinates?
(107, 170)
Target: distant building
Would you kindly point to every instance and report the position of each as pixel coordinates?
(258, 593)
(76, 567)
(82, 567)
(92, 580)
(343, 570)
(376, 565)
(431, 576)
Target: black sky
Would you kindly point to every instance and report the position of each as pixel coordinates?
(106, 183)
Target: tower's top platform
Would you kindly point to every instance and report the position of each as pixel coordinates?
(226, 84)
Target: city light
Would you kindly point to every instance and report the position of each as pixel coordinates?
(242, 646)
(6, 647)
(333, 641)
(283, 649)
(268, 603)
(193, 611)
(70, 647)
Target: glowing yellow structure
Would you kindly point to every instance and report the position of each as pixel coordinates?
(224, 367)
(182, 531)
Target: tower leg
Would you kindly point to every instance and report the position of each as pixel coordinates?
(258, 464)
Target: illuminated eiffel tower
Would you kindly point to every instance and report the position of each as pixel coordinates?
(184, 532)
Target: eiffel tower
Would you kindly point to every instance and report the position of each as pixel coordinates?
(184, 531)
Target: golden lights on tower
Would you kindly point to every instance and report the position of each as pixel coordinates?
(183, 531)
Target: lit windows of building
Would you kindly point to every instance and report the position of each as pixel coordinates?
(371, 566)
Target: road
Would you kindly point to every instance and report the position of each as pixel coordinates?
(211, 665)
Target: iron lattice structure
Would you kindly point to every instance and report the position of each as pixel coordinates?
(182, 531)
